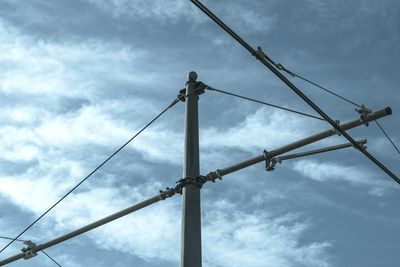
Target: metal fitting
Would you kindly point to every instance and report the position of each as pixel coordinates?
(28, 250)
(363, 111)
(334, 130)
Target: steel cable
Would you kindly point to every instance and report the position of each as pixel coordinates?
(262, 102)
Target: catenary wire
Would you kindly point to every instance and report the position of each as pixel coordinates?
(267, 62)
(51, 258)
(262, 102)
(339, 96)
(44, 252)
(96, 169)
(279, 66)
(387, 136)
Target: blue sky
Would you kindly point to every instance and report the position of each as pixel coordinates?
(80, 77)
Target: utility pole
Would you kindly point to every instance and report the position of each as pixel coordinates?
(191, 218)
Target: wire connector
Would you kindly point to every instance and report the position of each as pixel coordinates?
(169, 192)
(28, 250)
(198, 90)
(270, 165)
(363, 111)
(334, 130)
(213, 176)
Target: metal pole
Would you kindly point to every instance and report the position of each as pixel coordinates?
(191, 219)
(317, 151)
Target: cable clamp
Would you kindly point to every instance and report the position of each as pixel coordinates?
(363, 111)
(182, 95)
(169, 192)
(28, 251)
(197, 181)
(198, 90)
(270, 165)
(259, 52)
(334, 130)
(213, 176)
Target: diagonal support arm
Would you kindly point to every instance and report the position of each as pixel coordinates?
(212, 176)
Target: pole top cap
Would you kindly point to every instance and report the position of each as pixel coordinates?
(192, 76)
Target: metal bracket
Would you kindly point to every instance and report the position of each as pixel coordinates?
(334, 130)
(212, 176)
(363, 111)
(182, 95)
(197, 181)
(270, 164)
(28, 250)
(200, 89)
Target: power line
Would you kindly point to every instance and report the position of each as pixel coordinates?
(47, 255)
(267, 62)
(262, 102)
(387, 136)
(53, 260)
(179, 97)
(279, 66)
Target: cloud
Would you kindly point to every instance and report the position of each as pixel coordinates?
(330, 172)
(170, 11)
(259, 130)
(242, 17)
(237, 238)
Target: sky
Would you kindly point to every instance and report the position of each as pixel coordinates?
(78, 78)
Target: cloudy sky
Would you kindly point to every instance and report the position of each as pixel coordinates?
(79, 77)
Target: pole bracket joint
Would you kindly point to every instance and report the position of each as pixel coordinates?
(197, 181)
(336, 131)
(28, 251)
(363, 111)
(198, 90)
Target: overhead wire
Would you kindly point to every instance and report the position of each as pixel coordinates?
(339, 96)
(262, 102)
(44, 252)
(179, 97)
(271, 65)
(317, 85)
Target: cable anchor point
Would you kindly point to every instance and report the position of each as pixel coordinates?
(334, 130)
(28, 251)
(363, 111)
(198, 90)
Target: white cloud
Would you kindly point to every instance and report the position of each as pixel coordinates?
(235, 238)
(324, 172)
(44, 68)
(263, 129)
(242, 17)
(162, 10)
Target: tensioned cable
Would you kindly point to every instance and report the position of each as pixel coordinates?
(53, 260)
(267, 62)
(279, 66)
(387, 136)
(262, 102)
(96, 169)
(47, 255)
